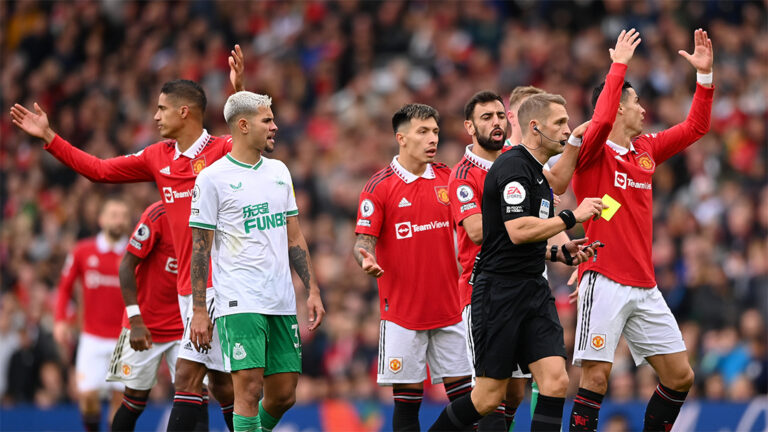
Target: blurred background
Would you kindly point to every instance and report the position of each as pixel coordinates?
(337, 71)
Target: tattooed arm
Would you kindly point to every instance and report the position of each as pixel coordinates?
(365, 254)
(201, 327)
(298, 255)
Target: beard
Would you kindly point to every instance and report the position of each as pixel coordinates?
(115, 233)
(490, 144)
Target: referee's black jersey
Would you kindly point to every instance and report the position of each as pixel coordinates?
(514, 187)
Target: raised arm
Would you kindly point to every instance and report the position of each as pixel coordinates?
(675, 139)
(201, 327)
(236, 69)
(140, 338)
(122, 169)
(608, 102)
(298, 254)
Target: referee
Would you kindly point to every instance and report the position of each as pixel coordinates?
(513, 318)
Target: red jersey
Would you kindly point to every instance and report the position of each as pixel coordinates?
(156, 275)
(411, 217)
(625, 175)
(173, 171)
(96, 265)
(466, 191)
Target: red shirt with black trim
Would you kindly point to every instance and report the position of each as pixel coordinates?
(173, 171)
(626, 176)
(156, 275)
(466, 191)
(95, 264)
(411, 218)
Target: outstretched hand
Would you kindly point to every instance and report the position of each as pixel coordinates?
(33, 123)
(625, 46)
(702, 57)
(369, 264)
(237, 69)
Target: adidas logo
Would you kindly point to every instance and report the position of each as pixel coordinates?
(166, 170)
(188, 346)
(404, 203)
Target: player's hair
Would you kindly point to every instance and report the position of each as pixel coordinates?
(599, 89)
(480, 97)
(413, 111)
(111, 198)
(537, 107)
(186, 90)
(520, 93)
(244, 102)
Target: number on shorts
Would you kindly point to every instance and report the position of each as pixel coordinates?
(297, 342)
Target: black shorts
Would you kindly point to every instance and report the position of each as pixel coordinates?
(513, 322)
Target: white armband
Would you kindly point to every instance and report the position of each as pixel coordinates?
(574, 141)
(704, 78)
(132, 310)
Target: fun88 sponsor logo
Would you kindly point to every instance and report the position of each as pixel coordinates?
(405, 230)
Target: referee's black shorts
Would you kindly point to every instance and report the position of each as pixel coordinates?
(514, 321)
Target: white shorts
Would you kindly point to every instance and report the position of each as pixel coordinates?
(404, 354)
(138, 369)
(92, 364)
(212, 359)
(466, 318)
(608, 309)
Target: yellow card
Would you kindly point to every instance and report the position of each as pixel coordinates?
(613, 207)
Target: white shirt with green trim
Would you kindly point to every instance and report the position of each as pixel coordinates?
(246, 206)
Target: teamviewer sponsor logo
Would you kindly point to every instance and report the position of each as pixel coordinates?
(403, 230)
(171, 195)
(620, 179)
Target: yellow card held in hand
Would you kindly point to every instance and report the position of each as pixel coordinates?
(613, 207)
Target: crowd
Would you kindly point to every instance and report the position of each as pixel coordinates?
(336, 72)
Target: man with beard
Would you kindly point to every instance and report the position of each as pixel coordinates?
(244, 216)
(95, 263)
(487, 124)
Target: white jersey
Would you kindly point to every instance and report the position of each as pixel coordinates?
(247, 206)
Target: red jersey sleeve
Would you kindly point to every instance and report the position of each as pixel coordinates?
(121, 169)
(69, 275)
(146, 233)
(669, 142)
(605, 114)
(370, 213)
(465, 199)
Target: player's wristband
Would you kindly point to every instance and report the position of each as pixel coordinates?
(567, 217)
(132, 311)
(704, 78)
(574, 141)
(553, 253)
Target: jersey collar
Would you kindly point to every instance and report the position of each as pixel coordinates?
(243, 164)
(407, 176)
(194, 149)
(531, 155)
(621, 150)
(483, 164)
(102, 245)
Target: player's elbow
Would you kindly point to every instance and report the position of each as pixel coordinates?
(476, 236)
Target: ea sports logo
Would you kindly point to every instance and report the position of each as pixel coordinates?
(514, 193)
(403, 230)
(620, 180)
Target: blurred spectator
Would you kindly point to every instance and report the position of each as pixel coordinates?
(337, 70)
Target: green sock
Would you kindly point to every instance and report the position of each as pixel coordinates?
(534, 396)
(267, 421)
(246, 424)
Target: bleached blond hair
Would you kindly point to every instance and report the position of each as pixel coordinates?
(244, 102)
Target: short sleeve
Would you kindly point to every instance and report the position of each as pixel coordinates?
(146, 233)
(370, 214)
(515, 192)
(205, 203)
(465, 199)
(292, 209)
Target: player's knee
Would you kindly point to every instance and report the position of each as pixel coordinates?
(220, 386)
(283, 400)
(594, 381)
(188, 378)
(515, 393)
(556, 384)
(683, 381)
(486, 402)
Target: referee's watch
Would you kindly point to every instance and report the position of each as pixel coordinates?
(553, 253)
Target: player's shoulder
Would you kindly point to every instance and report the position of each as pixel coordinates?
(383, 176)
(463, 170)
(154, 212)
(441, 170)
(84, 246)
(274, 164)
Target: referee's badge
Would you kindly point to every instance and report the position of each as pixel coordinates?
(598, 341)
(395, 364)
